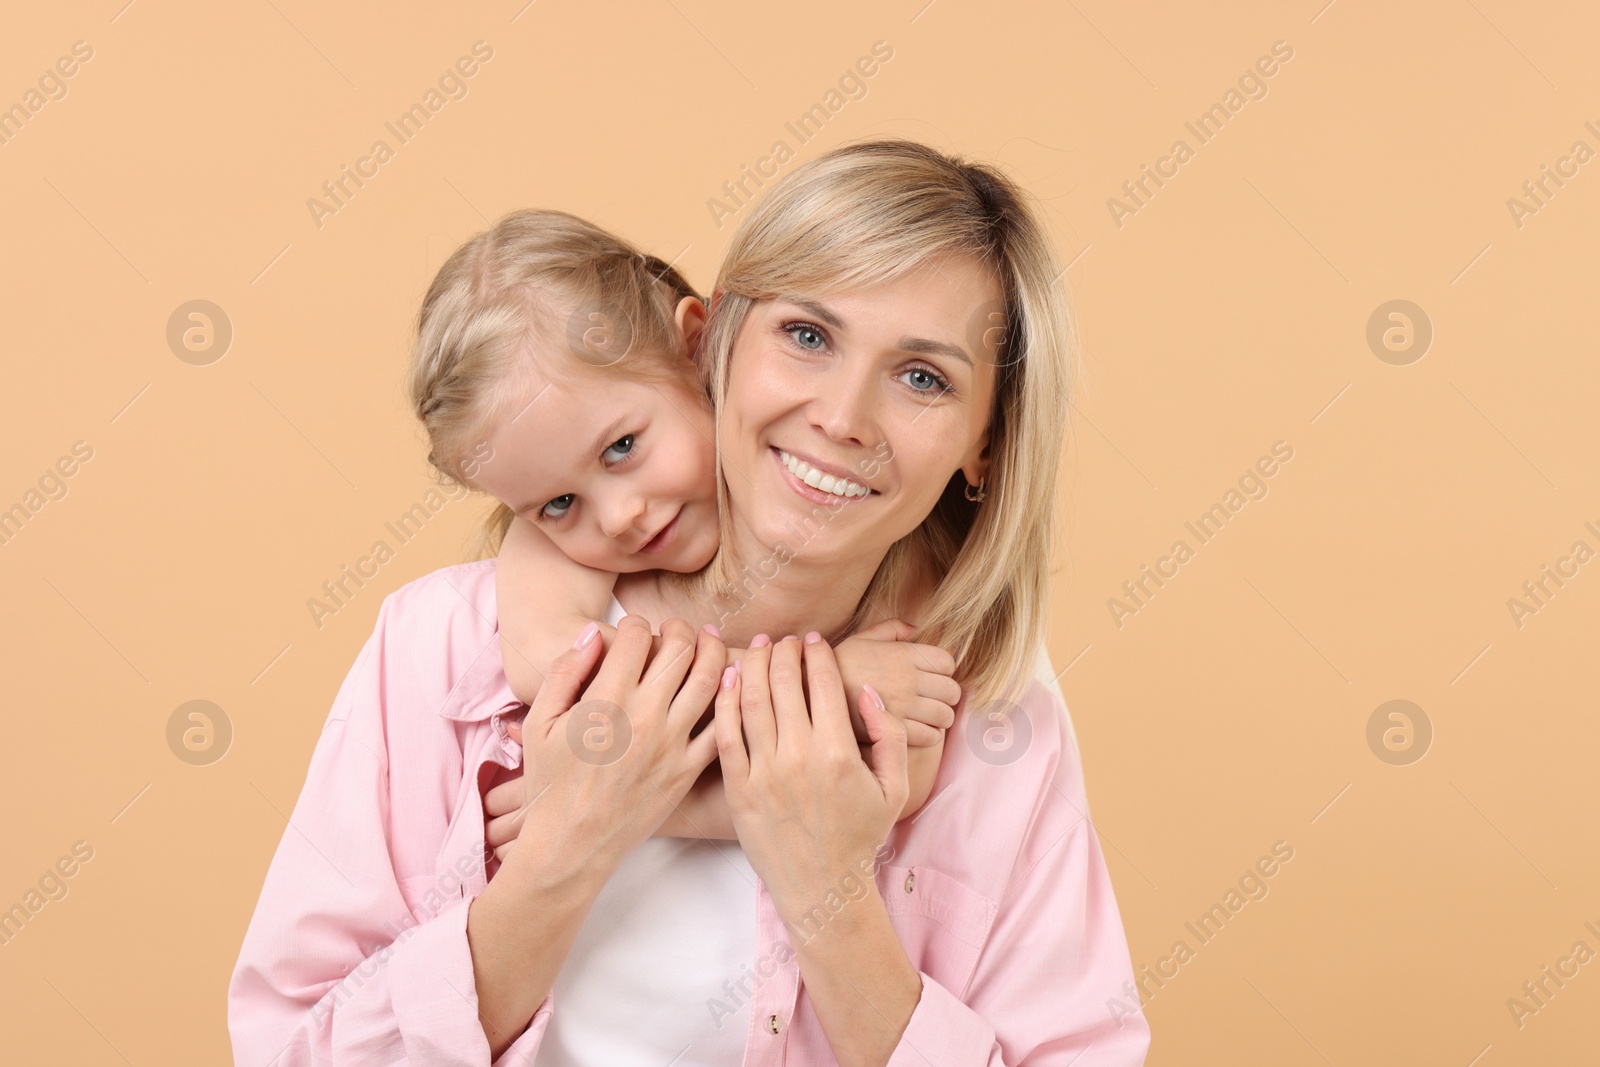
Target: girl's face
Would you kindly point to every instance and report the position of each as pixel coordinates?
(847, 414)
(619, 473)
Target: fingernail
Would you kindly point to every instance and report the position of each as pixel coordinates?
(728, 675)
(790, 637)
(712, 630)
(736, 669)
(873, 694)
(587, 635)
(813, 637)
(760, 641)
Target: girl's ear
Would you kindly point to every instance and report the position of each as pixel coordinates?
(690, 320)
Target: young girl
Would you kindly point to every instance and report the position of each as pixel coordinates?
(556, 369)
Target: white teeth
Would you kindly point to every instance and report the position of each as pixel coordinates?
(818, 480)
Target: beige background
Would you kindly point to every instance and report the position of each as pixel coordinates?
(1228, 313)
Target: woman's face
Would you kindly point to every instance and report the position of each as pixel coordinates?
(848, 413)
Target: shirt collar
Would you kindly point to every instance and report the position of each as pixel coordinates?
(482, 690)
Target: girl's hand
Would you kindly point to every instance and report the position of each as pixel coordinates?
(606, 769)
(916, 681)
(807, 808)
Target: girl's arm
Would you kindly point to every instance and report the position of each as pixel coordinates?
(544, 600)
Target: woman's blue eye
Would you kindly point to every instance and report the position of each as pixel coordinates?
(807, 337)
(557, 507)
(934, 382)
(622, 446)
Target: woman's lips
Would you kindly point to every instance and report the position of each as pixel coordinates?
(816, 496)
(664, 538)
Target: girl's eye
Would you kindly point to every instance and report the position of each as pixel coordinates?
(806, 336)
(926, 381)
(557, 508)
(622, 446)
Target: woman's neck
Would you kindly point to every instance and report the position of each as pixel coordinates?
(778, 594)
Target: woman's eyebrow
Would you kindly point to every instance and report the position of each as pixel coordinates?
(934, 348)
(821, 311)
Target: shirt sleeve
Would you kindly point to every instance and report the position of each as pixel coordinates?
(336, 966)
(1051, 986)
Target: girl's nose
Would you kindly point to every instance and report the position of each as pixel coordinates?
(621, 516)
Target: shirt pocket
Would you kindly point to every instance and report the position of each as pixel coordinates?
(942, 924)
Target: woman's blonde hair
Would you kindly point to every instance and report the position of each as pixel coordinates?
(867, 213)
(535, 283)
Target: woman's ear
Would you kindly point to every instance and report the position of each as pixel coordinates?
(690, 320)
(976, 469)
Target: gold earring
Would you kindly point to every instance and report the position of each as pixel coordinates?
(975, 493)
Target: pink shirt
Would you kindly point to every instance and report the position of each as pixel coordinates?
(357, 952)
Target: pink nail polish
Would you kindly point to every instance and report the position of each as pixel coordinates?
(587, 635)
(790, 637)
(712, 630)
(813, 637)
(873, 695)
(728, 676)
(760, 641)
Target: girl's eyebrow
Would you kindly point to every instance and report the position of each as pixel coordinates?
(607, 436)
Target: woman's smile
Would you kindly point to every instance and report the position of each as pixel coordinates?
(819, 483)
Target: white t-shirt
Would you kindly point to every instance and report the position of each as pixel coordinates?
(653, 976)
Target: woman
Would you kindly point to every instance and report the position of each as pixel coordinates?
(992, 937)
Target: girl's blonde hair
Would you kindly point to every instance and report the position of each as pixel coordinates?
(537, 282)
(867, 213)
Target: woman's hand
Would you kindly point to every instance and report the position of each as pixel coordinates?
(808, 809)
(606, 770)
(603, 769)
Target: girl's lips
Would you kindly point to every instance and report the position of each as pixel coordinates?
(816, 496)
(662, 539)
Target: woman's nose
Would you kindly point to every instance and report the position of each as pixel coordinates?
(844, 409)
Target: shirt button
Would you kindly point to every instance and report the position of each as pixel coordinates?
(773, 1024)
(911, 881)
